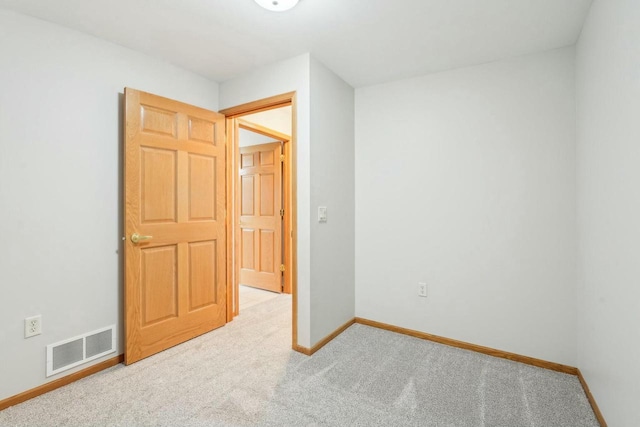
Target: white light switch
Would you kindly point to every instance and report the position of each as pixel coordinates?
(322, 214)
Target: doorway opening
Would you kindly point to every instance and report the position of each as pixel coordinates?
(261, 206)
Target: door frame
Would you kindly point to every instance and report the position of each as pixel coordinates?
(233, 124)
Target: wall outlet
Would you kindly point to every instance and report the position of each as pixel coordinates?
(422, 289)
(32, 326)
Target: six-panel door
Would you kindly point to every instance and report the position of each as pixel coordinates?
(175, 280)
(259, 238)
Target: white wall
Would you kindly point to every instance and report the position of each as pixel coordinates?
(608, 83)
(278, 119)
(247, 138)
(60, 183)
(282, 77)
(466, 180)
(333, 186)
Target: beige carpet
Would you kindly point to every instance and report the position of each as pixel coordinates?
(245, 374)
(249, 296)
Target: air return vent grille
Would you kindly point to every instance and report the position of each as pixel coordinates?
(75, 351)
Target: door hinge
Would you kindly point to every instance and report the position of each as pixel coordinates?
(282, 213)
(282, 157)
(282, 267)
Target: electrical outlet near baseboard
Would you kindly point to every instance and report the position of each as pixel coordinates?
(422, 289)
(32, 326)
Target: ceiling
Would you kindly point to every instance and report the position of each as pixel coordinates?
(364, 41)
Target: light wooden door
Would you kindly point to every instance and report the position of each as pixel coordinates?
(175, 201)
(259, 241)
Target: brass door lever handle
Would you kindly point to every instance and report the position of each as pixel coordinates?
(136, 238)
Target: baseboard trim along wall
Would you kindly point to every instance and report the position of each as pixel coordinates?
(473, 347)
(592, 401)
(325, 340)
(60, 382)
(495, 353)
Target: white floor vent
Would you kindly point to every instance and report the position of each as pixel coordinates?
(75, 351)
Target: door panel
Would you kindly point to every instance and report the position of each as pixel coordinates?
(247, 195)
(202, 274)
(267, 195)
(267, 251)
(159, 283)
(260, 223)
(175, 281)
(159, 183)
(202, 188)
(201, 130)
(158, 121)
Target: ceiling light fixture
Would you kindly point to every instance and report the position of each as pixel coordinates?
(277, 5)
